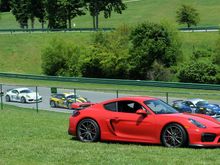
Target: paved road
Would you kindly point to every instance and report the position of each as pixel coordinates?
(93, 96)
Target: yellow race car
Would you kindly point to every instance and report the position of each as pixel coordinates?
(65, 100)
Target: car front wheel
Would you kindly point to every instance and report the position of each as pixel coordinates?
(7, 98)
(88, 131)
(23, 100)
(53, 104)
(174, 135)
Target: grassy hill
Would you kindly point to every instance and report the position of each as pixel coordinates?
(22, 52)
(142, 10)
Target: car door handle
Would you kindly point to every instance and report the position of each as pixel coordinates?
(116, 119)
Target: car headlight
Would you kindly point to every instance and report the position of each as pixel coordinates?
(196, 123)
(28, 96)
(208, 109)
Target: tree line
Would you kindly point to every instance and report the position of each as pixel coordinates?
(59, 13)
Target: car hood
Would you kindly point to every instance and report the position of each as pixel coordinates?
(204, 119)
(31, 95)
(211, 106)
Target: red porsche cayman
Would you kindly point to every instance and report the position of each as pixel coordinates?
(143, 119)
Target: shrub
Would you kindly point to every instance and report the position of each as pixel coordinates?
(152, 42)
(198, 72)
(61, 59)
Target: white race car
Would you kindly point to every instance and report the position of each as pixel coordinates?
(23, 95)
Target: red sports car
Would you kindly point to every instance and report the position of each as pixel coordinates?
(143, 119)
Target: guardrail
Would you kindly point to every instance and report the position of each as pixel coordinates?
(204, 28)
(56, 30)
(114, 81)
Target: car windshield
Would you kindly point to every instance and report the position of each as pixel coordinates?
(26, 91)
(201, 103)
(72, 97)
(160, 107)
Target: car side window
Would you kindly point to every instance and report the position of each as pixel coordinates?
(128, 106)
(14, 91)
(59, 96)
(111, 106)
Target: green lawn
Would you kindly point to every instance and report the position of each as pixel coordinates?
(41, 138)
(22, 52)
(139, 11)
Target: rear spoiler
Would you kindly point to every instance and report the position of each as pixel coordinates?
(79, 106)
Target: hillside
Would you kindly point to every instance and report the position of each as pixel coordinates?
(141, 10)
(22, 52)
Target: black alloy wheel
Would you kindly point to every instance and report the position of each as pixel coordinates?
(7, 98)
(88, 131)
(23, 100)
(174, 135)
(53, 104)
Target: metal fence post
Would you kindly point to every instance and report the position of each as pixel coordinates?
(167, 97)
(75, 94)
(1, 94)
(116, 93)
(37, 99)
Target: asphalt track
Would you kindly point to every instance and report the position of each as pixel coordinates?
(93, 96)
(45, 92)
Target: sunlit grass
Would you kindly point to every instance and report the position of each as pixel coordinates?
(41, 138)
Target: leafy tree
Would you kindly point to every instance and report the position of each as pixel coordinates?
(187, 15)
(107, 6)
(152, 42)
(198, 72)
(61, 59)
(28, 9)
(62, 11)
(39, 8)
(108, 55)
(20, 8)
(4, 5)
(73, 9)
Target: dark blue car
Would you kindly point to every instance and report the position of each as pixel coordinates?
(184, 106)
(207, 108)
(197, 106)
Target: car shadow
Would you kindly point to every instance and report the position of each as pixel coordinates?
(145, 144)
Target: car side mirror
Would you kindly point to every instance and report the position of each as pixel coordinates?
(141, 112)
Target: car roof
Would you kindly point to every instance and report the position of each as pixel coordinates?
(132, 98)
(21, 89)
(195, 100)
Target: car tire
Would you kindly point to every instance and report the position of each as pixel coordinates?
(53, 104)
(7, 98)
(88, 131)
(69, 105)
(23, 100)
(174, 135)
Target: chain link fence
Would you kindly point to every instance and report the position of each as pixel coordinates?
(33, 100)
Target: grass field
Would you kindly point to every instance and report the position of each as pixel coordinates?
(139, 11)
(22, 52)
(41, 138)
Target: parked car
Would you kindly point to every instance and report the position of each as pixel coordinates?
(207, 108)
(23, 95)
(198, 106)
(65, 100)
(143, 119)
(184, 106)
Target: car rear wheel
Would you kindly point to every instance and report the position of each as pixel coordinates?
(88, 131)
(7, 98)
(23, 100)
(174, 135)
(53, 104)
(69, 105)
